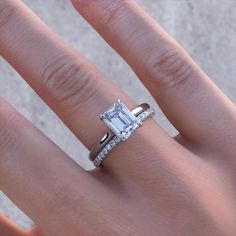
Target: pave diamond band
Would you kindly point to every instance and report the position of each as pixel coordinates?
(123, 123)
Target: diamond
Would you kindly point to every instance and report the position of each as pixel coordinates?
(139, 118)
(95, 163)
(112, 143)
(101, 154)
(144, 116)
(117, 139)
(108, 147)
(120, 120)
(104, 151)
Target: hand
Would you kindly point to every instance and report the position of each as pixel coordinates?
(150, 185)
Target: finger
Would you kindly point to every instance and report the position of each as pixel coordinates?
(73, 87)
(190, 100)
(42, 180)
(8, 228)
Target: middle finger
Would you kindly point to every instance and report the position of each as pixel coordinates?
(66, 81)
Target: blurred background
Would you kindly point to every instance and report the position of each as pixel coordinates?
(206, 29)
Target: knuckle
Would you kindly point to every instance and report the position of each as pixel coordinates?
(6, 13)
(169, 68)
(68, 82)
(112, 12)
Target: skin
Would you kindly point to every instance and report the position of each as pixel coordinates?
(152, 184)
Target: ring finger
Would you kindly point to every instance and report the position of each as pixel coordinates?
(66, 81)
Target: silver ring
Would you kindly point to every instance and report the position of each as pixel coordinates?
(123, 123)
(110, 135)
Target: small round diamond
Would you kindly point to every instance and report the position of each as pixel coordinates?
(101, 154)
(139, 119)
(141, 116)
(117, 139)
(99, 157)
(112, 143)
(95, 163)
(108, 147)
(105, 151)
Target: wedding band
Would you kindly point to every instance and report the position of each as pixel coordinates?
(122, 123)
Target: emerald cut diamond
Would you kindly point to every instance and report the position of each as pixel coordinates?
(120, 120)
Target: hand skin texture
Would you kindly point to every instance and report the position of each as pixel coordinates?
(151, 185)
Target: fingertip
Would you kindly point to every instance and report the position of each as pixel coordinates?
(75, 3)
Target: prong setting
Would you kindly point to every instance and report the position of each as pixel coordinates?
(120, 120)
